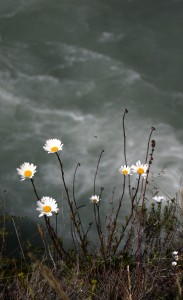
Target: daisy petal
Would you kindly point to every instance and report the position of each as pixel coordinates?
(26, 170)
(46, 206)
(53, 146)
(94, 199)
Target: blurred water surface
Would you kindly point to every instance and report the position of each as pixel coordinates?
(67, 70)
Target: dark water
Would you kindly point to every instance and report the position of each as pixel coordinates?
(67, 70)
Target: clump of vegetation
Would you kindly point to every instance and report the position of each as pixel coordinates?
(137, 256)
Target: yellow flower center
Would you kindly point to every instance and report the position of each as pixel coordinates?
(27, 173)
(54, 149)
(47, 208)
(140, 171)
(125, 172)
(94, 200)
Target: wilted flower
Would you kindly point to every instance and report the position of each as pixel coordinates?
(174, 263)
(94, 199)
(26, 170)
(140, 169)
(53, 145)
(159, 199)
(125, 170)
(46, 206)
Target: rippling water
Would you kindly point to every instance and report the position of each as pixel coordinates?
(67, 70)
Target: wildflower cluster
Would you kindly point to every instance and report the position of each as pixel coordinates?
(46, 205)
(175, 257)
(139, 168)
(126, 240)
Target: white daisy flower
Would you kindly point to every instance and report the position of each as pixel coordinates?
(159, 199)
(53, 145)
(47, 206)
(174, 252)
(125, 170)
(94, 199)
(26, 170)
(174, 263)
(140, 169)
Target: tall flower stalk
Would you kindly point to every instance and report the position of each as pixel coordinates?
(71, 204)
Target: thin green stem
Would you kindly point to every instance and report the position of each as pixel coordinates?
(129, 218)
(73, 214)
(116, 217)
(34, 188)
(148, 144)
(18, 239)
(124, 135)
(63, 179)
(101, 152)
(73, 192)
(4, 224)
(100, 235)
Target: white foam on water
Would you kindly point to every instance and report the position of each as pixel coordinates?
(75, 116)
(39, 78)
(9, 9)
(7, 98)
(111, 37)
(74, 53)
